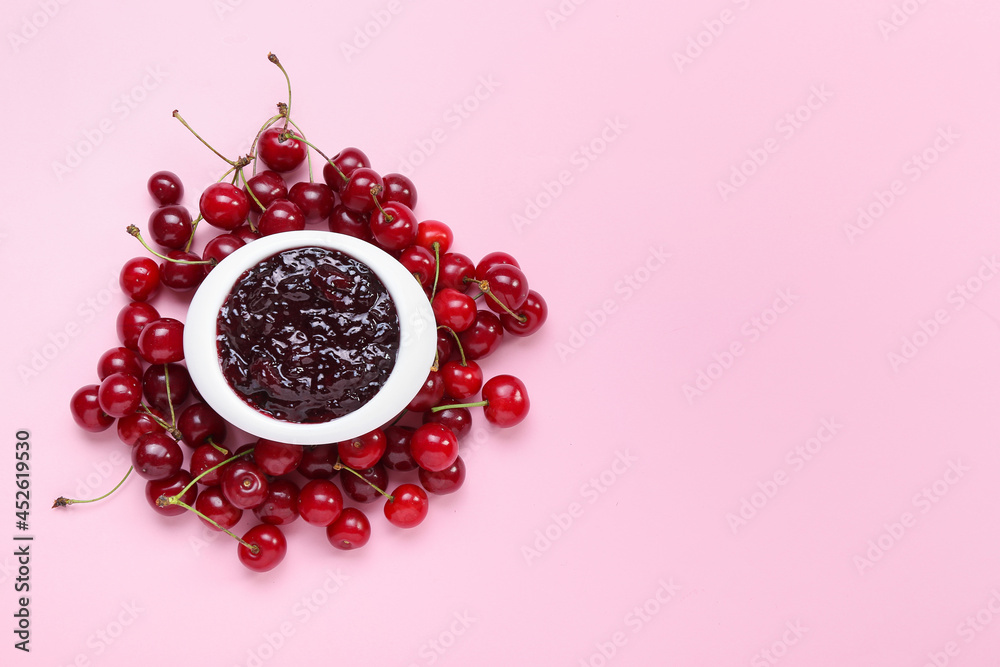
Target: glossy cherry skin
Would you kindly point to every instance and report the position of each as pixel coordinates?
(132, 427)
(246, 234)
(169, 487)
(281, 216)
(119, 360)
(162, 341)
(222, 246)
(531, 316)
(363, 490)
(165, 187)
(364, 451)
(271, 548)
(445, 346)
(351, 530)
(434, 447)
(87, 412)
(483, 337)
(453, 309)
(461, 382)
(429, 395)
(120, 394)
(182, 276)
(445, 481)
(320, 502)
(394, 226)
(132, 319)
(243, 483)
(224, 205)
(315, 200)
(459, 420)
(140, 278)
(407, 507)
(356, 194)
(508, 284)
(352, 223)
(213, 503)
(265, 187)
(318, 461)
(347, 161)
(204, 458)
(493, 259)
(456, 271)
(277, 458)
(170, 226)
(154, 386)
(157, 456)
(397, 449)
(280, 153)
(401, 189)
(200, 424)
(507, 400)
(430, 232)
(420, 262)
(281, 506)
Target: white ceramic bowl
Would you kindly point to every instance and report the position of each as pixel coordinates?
(417, 341)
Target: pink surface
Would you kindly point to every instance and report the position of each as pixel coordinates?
(764, 425)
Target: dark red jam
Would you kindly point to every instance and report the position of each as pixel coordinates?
(308, 335)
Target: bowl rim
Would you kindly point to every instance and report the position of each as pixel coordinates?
(417, 341)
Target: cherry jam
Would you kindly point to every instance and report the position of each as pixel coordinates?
(308, 335)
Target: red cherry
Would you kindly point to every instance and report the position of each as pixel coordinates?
(277, 458)
(483, 337)
(281, 216)
(168, 488)
(364, 451)
(199, 424)
(456, 271)
(459, 420)
(461, 381)
(397, 449)
(434, 447)
(281, 506)
(243, 483)
(394, 226)
(271, 548)
(157, 456)
(351, 530)
(205, 457)
(165, 187)
(119, 360)
(356, 194)
(347, 161)
(407, 507)
(87, 412)
(132, 319)
(318, 461)
(508, 284)
(280, 153)
(315, 200)
(120, 394)
(222, 246)
(134, 426)
(453, 309)
(530, 316)
(320, 502)
(399, 188)
(154, 386)
(170, 226)
(265, 187)
(213, 503)
(224, 205)
(429, 395)
(445, 481)
(245, 234)
(140, 278)
(430, 232)
(493, 259)
(363, 489)
(420, 262)
(182, 276)
(506, 400)
(162, 341)
(352, 223)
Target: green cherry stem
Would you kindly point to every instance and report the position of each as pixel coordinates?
(134, 231)
(194, 227)
(172, 430)
(309, 160)
(175, 500)
(484, 285)
(177, 115)
(375, 192)
(270, 121)
(163, 500)
(458, 342)
(288, 107)
(65, 502)
(477, 404)
(437, 267)
(299, 137)
(170, 402)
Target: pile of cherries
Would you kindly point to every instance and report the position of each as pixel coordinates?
(181, 447)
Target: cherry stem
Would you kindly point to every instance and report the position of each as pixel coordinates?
(399, 418)
(340, 466)
(177, 115)
(64, 502)
(253, 147)
(437, 267)
(194, 227)
(252, 547)
(170, 402)
(298, 137)
(375, 191)
(461, 351)
(484, 285)
(222, 450)
(477, 404)
(288, 107)
(309, 160)
(172, 430)
(174, 500)
(134, 231)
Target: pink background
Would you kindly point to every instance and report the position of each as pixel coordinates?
(809, 500)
